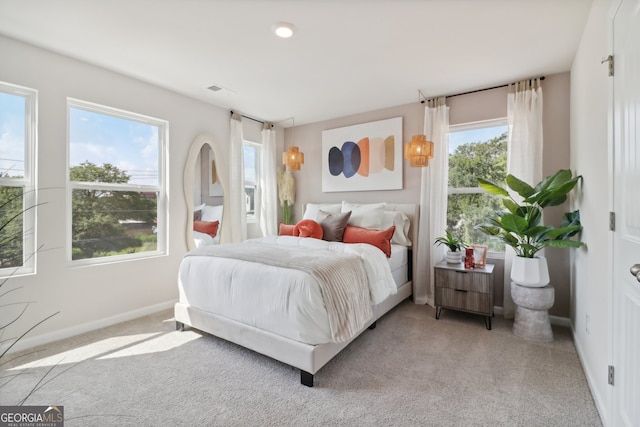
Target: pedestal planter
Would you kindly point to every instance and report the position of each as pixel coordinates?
(533, 297)
(530, 272)
(532, 317)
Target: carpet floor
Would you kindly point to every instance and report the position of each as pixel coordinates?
(412, 370)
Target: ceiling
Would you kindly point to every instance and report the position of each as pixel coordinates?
(347, 56)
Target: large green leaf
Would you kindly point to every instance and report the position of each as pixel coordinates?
(514, 223)
(557, 178)
(538, 232)
(519, 186)
(492, 188)
(511, 205)
(509, 238)
(488, 229)
(563, 233)
(570, 218)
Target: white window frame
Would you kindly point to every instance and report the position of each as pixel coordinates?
(502, 121)
(162, 200)
(29, 182)
(257, 196)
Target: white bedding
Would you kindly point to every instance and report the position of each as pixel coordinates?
(399, 263)
(280, 300)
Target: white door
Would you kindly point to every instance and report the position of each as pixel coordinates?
(626, 194)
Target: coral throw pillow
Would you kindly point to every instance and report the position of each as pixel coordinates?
(378, 238)
(308, 228)
(286, 229)
(208, 227)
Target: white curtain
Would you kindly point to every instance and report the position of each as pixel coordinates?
(433, 201)
(237, 215)
(524, 155)
(268, 183)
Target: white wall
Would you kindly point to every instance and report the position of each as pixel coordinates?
(93, 296)
(591, 274)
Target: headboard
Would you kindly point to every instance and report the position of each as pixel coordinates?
(411, 210)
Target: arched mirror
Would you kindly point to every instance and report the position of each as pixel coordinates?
(204, 189)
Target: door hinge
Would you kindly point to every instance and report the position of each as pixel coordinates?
(611, 373)
(612, 221)
(609, 59)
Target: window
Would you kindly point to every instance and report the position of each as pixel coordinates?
(476, 150)
(116, 184)
(251, 152)
(17, 179)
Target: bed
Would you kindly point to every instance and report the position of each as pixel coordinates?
(288, 313)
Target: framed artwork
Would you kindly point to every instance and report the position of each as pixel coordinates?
(363, 157)
(479, 255)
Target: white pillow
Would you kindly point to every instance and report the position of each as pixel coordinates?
(365, 215)
(312, 209)
(213, 213)
(402, 223)
(202, 239)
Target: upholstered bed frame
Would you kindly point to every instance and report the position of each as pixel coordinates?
(308, 358)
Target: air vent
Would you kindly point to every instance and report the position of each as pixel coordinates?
(214, 88)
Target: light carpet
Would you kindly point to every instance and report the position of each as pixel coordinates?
(412, 370)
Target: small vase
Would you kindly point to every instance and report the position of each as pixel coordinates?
(469, 262)
(454, 257)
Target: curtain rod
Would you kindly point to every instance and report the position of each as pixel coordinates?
(478, 90)
(250, 118)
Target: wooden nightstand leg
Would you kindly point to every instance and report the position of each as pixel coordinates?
(487, 322)
(438, 309)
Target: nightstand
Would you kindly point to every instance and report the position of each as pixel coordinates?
(465, 290)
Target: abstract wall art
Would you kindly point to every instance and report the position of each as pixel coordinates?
(363, 157)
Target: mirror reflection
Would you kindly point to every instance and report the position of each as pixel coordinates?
(204, 194)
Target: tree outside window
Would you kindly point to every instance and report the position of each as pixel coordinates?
(476, 150)
(116, 181)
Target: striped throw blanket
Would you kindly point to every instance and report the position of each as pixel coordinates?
(342, 278)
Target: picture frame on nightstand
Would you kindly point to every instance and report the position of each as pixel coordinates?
(479, 255)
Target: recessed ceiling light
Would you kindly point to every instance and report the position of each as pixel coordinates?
(283, 29)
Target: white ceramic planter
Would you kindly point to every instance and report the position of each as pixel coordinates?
(530, 272)
(454, 257)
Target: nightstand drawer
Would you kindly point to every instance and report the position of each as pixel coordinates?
(458, 299)
(463, 280)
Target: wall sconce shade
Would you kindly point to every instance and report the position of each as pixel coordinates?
(418, 151)
(293, 158)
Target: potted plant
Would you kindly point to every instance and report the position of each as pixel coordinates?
(455, 245)
(519, 225)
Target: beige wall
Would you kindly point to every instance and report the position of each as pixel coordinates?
(474, 107)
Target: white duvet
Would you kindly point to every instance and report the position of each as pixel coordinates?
(280, 300)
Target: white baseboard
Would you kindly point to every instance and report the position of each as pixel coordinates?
(601, 404)
(555, 320)
(27, 343)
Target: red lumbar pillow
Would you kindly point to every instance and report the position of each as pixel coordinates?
(286, 229)
(308, 228)
(210, 228)
(378, 238)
